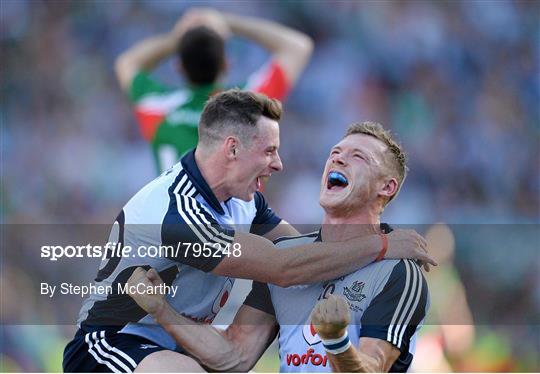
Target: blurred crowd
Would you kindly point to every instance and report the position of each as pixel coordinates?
(457, 81)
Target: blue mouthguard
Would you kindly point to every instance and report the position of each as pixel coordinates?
(334, 176)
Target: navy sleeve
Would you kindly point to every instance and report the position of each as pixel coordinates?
(265, 219)
(259, 298)
(396, 312)
(192, 236)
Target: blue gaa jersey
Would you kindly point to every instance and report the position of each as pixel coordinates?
(176, 208)
(388, 300)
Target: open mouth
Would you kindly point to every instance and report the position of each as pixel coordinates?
(336, 181)
(261, 181)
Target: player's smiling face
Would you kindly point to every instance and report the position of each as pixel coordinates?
(353, 174)
(257, 162)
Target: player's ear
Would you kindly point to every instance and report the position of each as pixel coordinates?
(180, 67)
(231, 145)
(389, 188)
(225, 66)
(223, 70)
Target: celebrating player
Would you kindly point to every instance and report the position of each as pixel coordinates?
(386, 300)
(168, 118)
(209, 200)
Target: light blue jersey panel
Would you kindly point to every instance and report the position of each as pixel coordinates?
(387, 300)
(177, 207)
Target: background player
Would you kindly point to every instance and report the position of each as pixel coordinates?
(443, 346)
(169, 117)
(388, 299)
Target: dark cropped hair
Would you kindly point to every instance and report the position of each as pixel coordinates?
(235, 112)
(202, 54)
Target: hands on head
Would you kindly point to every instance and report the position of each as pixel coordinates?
(208, 17)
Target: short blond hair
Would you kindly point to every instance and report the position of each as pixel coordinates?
(395, 160)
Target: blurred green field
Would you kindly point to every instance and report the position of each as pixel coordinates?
(269, 362)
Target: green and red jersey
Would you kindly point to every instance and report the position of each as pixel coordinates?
(169, 118)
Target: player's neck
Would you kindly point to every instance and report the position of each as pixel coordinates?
(340, 228)
(213, 176)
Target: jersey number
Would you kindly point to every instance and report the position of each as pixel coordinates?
(328, 289)
(116, 236)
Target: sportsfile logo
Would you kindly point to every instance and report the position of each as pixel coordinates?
(118, 250)
(309, 357)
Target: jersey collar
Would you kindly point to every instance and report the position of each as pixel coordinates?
(194, 174)
(206, 90)
(319, 237)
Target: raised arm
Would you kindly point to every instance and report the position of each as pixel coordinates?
(145, 55)
(150, 52)
(314, 262)
(290, 48)
(331, 318)
(235, 349)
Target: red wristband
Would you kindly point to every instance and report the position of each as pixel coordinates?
(382, 253)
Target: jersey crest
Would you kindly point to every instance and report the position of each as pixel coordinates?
(310, 335)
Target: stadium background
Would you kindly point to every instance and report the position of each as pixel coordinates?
(457, 81)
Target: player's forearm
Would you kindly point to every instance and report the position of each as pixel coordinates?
(271, 35)
(282, 229)
(354, 361)
(145, 55)
(315, 262)
(208, 344)
(308, 263)
(323, 261)
(291, 47)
